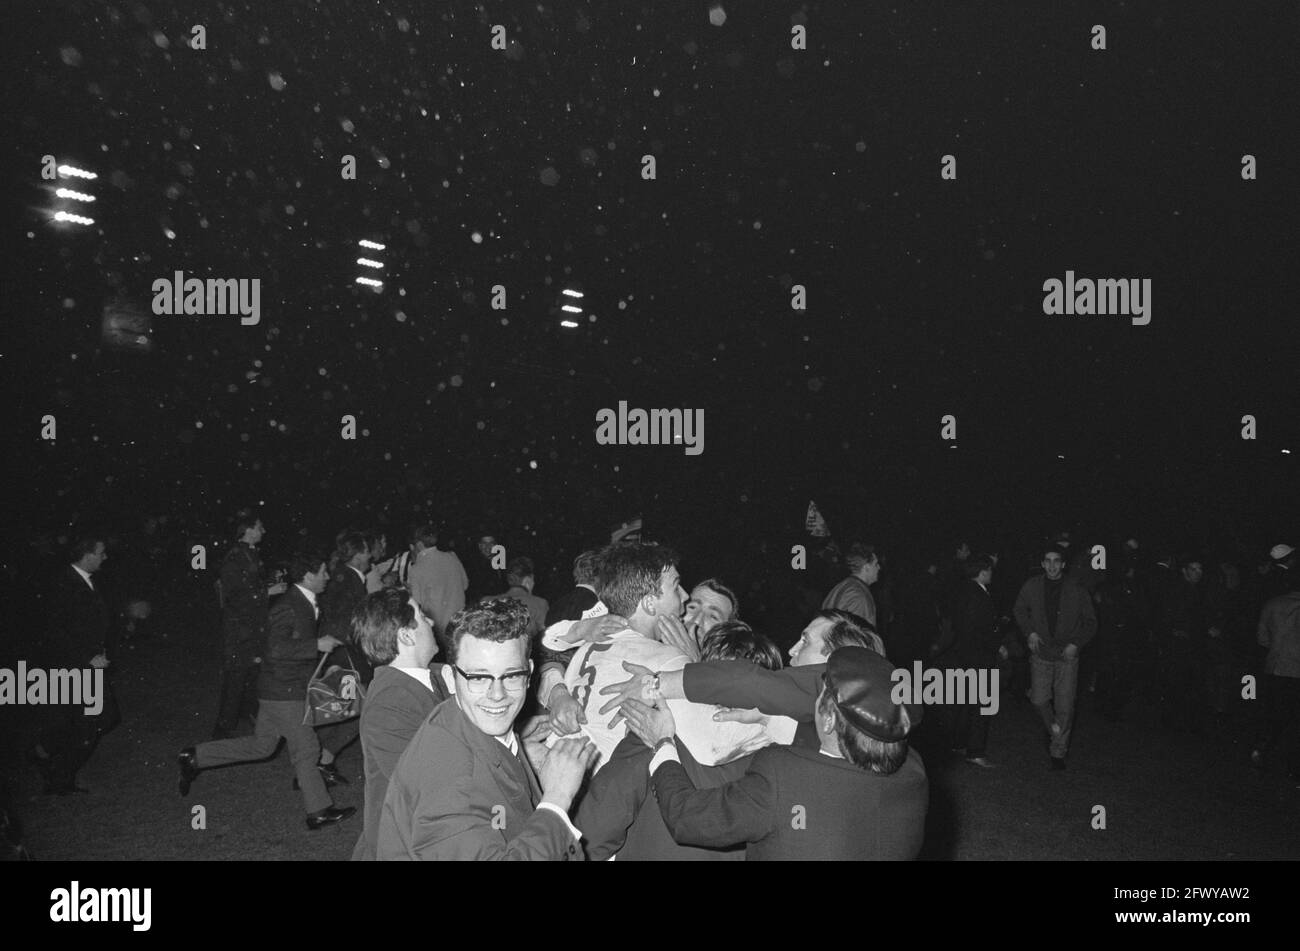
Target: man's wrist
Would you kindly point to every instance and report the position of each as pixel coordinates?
(559, 802)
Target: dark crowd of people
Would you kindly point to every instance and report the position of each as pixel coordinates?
(638, 716)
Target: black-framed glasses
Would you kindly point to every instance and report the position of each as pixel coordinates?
(514, 681)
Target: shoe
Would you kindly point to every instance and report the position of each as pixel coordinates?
(68, 790)
(328, 816)
(189, 769)
(328, 773)
(1058, 764)
(981, 761)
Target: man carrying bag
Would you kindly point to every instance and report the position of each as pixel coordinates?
(289, 666)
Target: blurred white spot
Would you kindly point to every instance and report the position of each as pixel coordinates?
(277, 81)
(717, 15)
(476, 237)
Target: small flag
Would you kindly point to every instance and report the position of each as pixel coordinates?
(814, 523)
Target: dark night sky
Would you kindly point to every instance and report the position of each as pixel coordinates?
(775, 166)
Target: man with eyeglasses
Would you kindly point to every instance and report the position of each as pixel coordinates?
(463, 790)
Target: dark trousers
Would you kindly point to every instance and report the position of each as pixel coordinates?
(1280, 729)
(1185, 679)
(1114, 676)
(71, 735)
(276, 719)
(971, 729)
(238, 693)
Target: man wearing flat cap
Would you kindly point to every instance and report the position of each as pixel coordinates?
(860, 795)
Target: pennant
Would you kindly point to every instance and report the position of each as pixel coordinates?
(814, 523)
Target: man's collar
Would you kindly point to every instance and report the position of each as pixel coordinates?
(307, 592)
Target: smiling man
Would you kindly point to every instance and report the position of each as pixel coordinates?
(828, 631)
(463, 789)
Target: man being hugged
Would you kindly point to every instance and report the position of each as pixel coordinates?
(463, 789)
(640, 582)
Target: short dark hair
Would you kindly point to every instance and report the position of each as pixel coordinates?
(85, 544)
(849, 630)
(350, 544)
(864, 752)
(715, 585)
(304, 563)
(377, 620)
(977, 564)
(586, 566)
(1053, 549)
(630, 571)
(736, 640)
(519, 569)
(244, 520)
(496, 619)
(426, 534)
(859, 555)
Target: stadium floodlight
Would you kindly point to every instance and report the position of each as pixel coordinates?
(572, 293)
(366, 262)
(371, 245)
(69, 171)
(370, 282)
(75, 196)
(567, 308)
(568, 323)
(75, 219)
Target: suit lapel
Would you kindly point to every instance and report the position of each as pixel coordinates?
(510, 775)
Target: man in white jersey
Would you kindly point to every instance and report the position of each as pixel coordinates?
(640, 582)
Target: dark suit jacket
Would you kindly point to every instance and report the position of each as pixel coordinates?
(79, 621)
(616, 814)
(800, 804)
(291, 653)
(459, 794)
(974, 628)
(243, 598)
(570, 607)
(789, 692)
(396, 705)
(346, 591)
